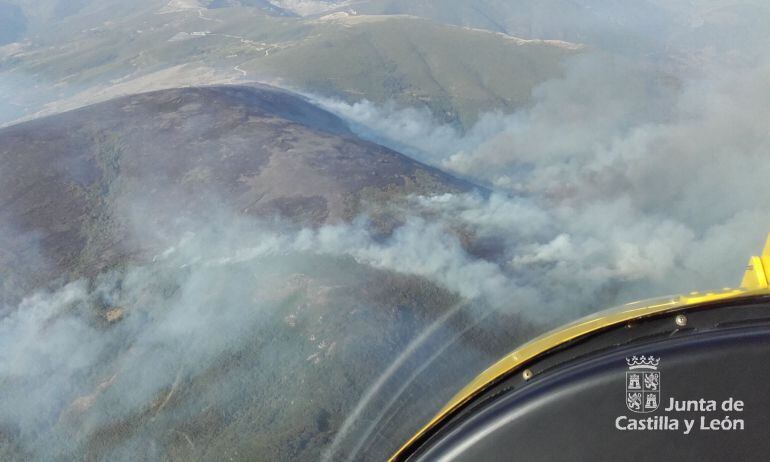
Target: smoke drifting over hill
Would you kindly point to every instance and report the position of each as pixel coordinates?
(239, 310)
(622, 179)
(628, 166)
(136, 353)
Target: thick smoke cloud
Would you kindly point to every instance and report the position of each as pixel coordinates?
(644, 173)
(68, 372)
(623, 179)
(103, 353)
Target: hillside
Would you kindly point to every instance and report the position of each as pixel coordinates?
(646, 28)
(144, 217)
(68, 179)
(85, 59)
(456, 72)
(611, 25)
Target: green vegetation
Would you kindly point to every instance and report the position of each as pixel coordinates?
(455, 72)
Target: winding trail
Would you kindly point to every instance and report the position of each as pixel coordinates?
(238, 68)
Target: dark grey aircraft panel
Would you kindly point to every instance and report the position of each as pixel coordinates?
(707, 388)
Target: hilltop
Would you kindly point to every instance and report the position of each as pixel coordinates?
(70, 180)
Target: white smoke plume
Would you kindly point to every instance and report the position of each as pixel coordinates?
(145, 344)
(97, 355)
(623, 179)
(643, 177)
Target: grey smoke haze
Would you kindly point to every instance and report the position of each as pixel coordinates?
(67, 373)
(220, 288)
(310, 7)
(637, 173)
(622, 180)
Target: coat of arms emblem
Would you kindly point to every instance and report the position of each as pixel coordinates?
(642, 384)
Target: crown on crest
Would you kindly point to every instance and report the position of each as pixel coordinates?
(643, 362)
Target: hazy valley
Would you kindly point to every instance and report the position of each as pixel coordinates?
(291, 229)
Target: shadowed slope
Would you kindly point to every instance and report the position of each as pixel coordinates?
(72, 183)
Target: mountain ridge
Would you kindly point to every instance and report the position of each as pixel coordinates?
(71, 179)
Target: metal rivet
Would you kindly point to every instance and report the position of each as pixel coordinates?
(681, 320)
(527, 374)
